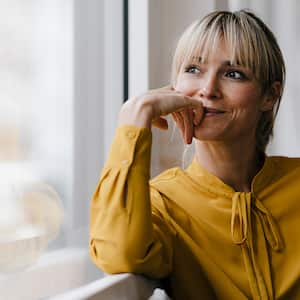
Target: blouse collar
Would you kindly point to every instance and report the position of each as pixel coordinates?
(214, 184)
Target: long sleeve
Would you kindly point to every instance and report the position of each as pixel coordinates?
(127, 233)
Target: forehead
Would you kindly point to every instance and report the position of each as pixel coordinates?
(217, 45)
(220, 53)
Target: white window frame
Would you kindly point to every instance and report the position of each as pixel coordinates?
(98, 96)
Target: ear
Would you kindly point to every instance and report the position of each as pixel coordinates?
(271, 96)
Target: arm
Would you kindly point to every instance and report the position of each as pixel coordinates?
(125, 235)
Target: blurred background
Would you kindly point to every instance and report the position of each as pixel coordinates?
(67, 66)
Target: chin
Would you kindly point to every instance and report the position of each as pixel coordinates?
(208, 134)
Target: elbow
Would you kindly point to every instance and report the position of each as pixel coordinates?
(111, 260)
(115, 259)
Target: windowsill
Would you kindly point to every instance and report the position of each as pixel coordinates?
(54, 273)
(121, 286)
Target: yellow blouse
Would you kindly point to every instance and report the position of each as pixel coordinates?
(206, 239)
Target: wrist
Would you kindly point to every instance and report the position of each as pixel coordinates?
(137, 112)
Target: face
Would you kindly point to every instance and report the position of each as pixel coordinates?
(230, 95)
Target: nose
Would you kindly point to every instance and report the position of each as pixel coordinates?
(210, 88)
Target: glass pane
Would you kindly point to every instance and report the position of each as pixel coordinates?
(36, 137)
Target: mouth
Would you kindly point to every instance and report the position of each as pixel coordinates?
(209, 111)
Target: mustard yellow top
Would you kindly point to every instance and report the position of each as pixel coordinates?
(208, 240)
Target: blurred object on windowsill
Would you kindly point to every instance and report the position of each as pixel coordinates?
(31, 215)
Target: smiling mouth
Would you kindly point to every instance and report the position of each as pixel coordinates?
(208, 111)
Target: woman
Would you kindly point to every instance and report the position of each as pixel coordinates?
(225, 227)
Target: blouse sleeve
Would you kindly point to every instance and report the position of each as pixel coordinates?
(127, 233)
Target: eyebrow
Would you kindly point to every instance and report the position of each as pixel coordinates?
(225, 63)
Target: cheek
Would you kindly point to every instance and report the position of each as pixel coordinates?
(245, 98)
(186, 86)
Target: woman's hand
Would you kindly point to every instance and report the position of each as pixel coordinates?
(186, 120)
(150, 108)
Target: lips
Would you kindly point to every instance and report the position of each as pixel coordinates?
(212, 111)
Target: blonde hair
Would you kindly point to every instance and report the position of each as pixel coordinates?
(252, 44)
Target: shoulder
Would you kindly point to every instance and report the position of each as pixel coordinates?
(167, 183)
(169, 192)
(164, 194)
(169, 178)
(285, 169)
(172, 185)
(286, 164)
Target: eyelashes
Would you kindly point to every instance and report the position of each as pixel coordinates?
(193, 69)
(238, 75)
(230, 73)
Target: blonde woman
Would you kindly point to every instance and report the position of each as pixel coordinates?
(225, 227)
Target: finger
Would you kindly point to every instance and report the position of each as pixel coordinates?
(198, 115)
(179, 122)
(160, 123)
(186, 133)
(174, 116)
(188, 125)
(179, 102)
(166, 102)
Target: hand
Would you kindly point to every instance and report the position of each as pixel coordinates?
(186, 120)
(150, 108)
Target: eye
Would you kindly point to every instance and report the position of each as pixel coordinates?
(192, 70)
(234, 74)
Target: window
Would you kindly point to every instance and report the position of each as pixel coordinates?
(61, 79)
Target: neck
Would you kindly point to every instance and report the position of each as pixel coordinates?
(235, 164)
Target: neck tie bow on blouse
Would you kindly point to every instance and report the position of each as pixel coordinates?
(244, 207)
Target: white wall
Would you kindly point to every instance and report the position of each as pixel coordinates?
(285, 21)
